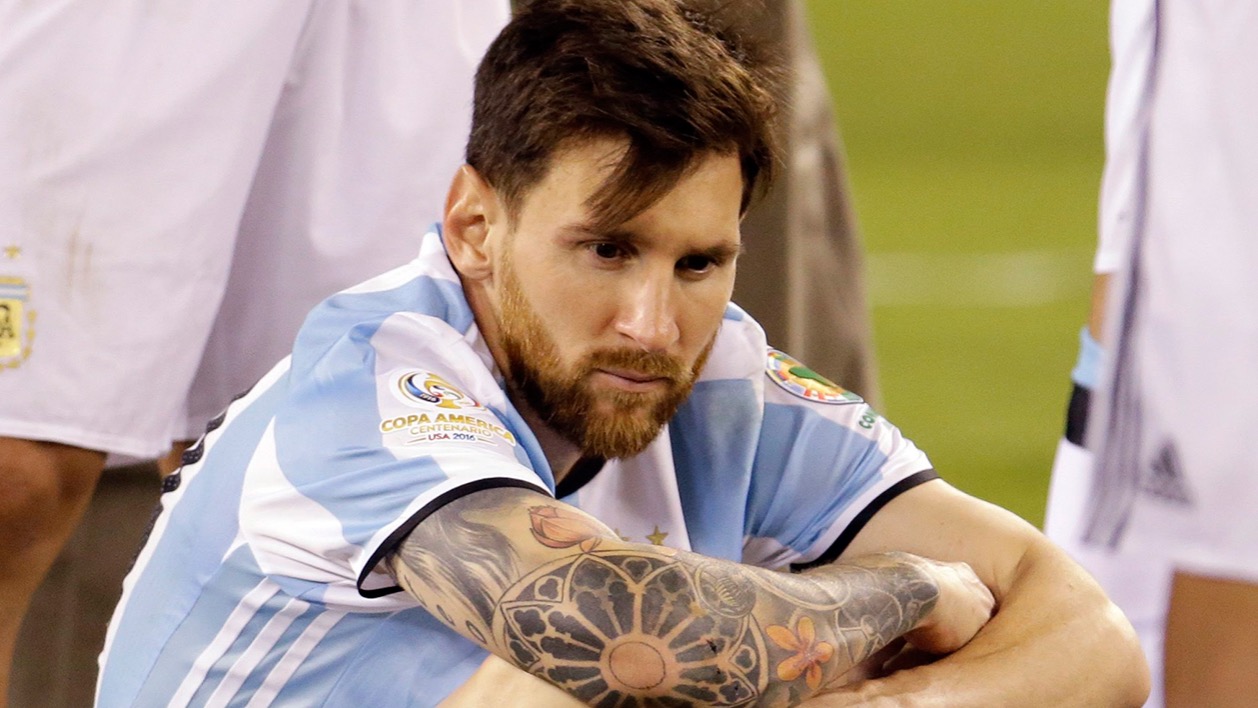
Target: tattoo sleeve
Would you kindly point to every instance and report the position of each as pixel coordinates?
(613, 623)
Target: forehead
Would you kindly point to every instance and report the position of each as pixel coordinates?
(579, 169)
(580, 175)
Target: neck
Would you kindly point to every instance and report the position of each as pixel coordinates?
(560, 452)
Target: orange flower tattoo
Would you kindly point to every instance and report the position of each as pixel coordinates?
(809, 655)
(560, 528)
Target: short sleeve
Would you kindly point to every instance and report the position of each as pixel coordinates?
(382, 425)
(824, 464)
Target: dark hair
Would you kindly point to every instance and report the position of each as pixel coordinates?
(671, 80)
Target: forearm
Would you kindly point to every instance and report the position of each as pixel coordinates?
(568, 601)
(1055, 641)
(496, 680)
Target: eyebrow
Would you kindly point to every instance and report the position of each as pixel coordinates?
(721, 251)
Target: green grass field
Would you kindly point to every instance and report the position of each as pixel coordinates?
(974, 137)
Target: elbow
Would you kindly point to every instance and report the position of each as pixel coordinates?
(1129, 677)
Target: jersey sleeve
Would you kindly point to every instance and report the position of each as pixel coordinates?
(382, 425)
(825, 463)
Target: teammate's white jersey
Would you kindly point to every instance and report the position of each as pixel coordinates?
(261, 581)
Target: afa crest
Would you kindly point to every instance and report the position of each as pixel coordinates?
(17, 322)
(429, 388)
(804, 382)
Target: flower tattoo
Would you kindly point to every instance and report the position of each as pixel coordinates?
(809, 654)
(560, 528)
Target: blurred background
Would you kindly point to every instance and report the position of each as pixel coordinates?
(973, 131)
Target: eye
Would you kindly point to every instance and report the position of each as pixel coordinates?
(609, 251)
(697, 264)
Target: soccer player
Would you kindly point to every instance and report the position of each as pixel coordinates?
(1174, 486)
(407, 67)
(177, 173)
(551, 437)
(1136, 582)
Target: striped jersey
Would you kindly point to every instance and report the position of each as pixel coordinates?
(262, 583)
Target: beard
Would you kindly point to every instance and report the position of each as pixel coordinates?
(603, 423)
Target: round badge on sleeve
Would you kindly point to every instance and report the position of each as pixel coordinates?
(802, 381)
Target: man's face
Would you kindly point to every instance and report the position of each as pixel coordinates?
(605, 333)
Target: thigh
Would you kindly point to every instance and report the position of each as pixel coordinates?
(1210, 652)
(132, 132)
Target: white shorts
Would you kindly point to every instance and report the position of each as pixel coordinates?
(1176, 476)
(141, 142)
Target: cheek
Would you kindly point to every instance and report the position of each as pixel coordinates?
(580, 314)
(702, 319)
(576, 320)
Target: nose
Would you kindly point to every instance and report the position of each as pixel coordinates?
(648, 314)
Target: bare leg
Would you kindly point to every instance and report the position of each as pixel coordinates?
(173, 460)
(1210, 647)
(54, 664)
(46, 488)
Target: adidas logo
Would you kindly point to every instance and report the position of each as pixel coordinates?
(1166, 478)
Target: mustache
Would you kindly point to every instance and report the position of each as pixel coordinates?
(649, 364)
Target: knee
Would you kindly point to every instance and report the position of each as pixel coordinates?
(44, 481)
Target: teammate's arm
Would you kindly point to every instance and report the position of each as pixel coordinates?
(558, 594)
(1055, 639)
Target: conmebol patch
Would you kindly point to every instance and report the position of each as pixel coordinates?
(802, 381)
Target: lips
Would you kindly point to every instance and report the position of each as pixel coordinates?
(632, 375)
(631, 380)
(634, 372)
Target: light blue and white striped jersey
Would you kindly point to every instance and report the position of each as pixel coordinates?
(261, 584)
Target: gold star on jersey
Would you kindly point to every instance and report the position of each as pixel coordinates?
(657, 538)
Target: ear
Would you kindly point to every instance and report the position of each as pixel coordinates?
(473, 214)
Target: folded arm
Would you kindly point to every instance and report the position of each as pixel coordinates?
(1055, 639)
(556, 593)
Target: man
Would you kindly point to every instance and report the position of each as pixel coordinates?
(551, 438)
(1137, 583)
(1174, 488)
(293, 242)
(176, 188)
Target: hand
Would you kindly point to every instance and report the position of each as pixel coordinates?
(965, 604)
(876, 666)
(896, 656)
(963, 607)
